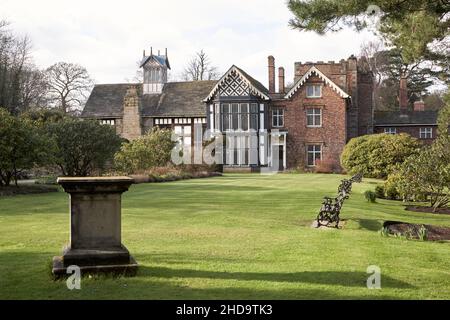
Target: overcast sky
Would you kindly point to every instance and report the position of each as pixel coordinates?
(108, 37)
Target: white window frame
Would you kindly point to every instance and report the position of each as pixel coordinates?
(390, 130)
(111, 122)
(277, 115)
(315, 88)
(314, 152)
(426, 133)
(311, 112)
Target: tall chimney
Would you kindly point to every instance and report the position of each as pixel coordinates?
(281, 80)
(403, 94)
(271, 61)
(419, 105)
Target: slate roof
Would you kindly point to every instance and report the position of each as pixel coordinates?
(106, 100)
(177, 99)
(383, 118)
(161, 59)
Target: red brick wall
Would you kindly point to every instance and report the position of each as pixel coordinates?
(332, 134)
(365, 104)
(413, 131)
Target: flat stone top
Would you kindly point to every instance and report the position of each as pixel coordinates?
(112, 180)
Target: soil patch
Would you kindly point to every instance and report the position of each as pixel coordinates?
(428, 209)
(413, 231)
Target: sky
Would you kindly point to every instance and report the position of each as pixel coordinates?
(108, 37)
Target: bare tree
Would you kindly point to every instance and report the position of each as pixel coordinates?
(372, 58)
(15, 65)
(33, 89)
(68, 85)
(200, 68)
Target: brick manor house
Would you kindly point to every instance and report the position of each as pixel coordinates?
(309, 121)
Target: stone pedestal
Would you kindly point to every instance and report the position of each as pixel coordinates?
(95, 226)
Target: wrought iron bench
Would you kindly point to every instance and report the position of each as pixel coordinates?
(331, 207)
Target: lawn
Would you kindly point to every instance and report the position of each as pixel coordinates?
(242, 236)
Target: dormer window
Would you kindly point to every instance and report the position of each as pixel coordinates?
(314, 91)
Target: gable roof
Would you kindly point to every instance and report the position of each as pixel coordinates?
(255, 86)
(397, 117)
(177, 99)
(163, 60)
(309, 73)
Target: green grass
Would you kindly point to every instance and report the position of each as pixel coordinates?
(236, 236)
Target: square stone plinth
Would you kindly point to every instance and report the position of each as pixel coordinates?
(95, 225)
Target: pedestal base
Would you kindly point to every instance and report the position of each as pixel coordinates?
(114, 260)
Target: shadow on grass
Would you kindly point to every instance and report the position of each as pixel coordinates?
(340, 278)
(175, 283)
(369, 224)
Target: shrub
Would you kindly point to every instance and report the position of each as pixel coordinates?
(391, 186)
(22, 146)
(377, 155)
(379, 192)
(370, 196)
(146, 152)
(427, 175)
(82, 146)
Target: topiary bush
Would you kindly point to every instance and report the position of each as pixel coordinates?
(376, 155)
(370, 196)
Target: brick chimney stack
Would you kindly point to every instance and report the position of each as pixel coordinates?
(403, 94)
(281, 80)
(271, 63)
(419, 105)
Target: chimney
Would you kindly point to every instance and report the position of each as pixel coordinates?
(403, 94)
(143, 54)
(271, 61)
(281, 80)
(419, 105)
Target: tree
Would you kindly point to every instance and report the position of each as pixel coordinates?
(151, 150)
(21, 83)
(377, 155)
(427, 174)
(200, 68)
(68, 85)
(417, 28)
(22, 146)
(388, 66)
(82, 146)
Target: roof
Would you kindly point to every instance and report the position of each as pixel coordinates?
(385, 118)
(177, 99)
(105, 100)
(309, 73)
(256, 87)
(163, 60)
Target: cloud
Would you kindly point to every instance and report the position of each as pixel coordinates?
(107, 37)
